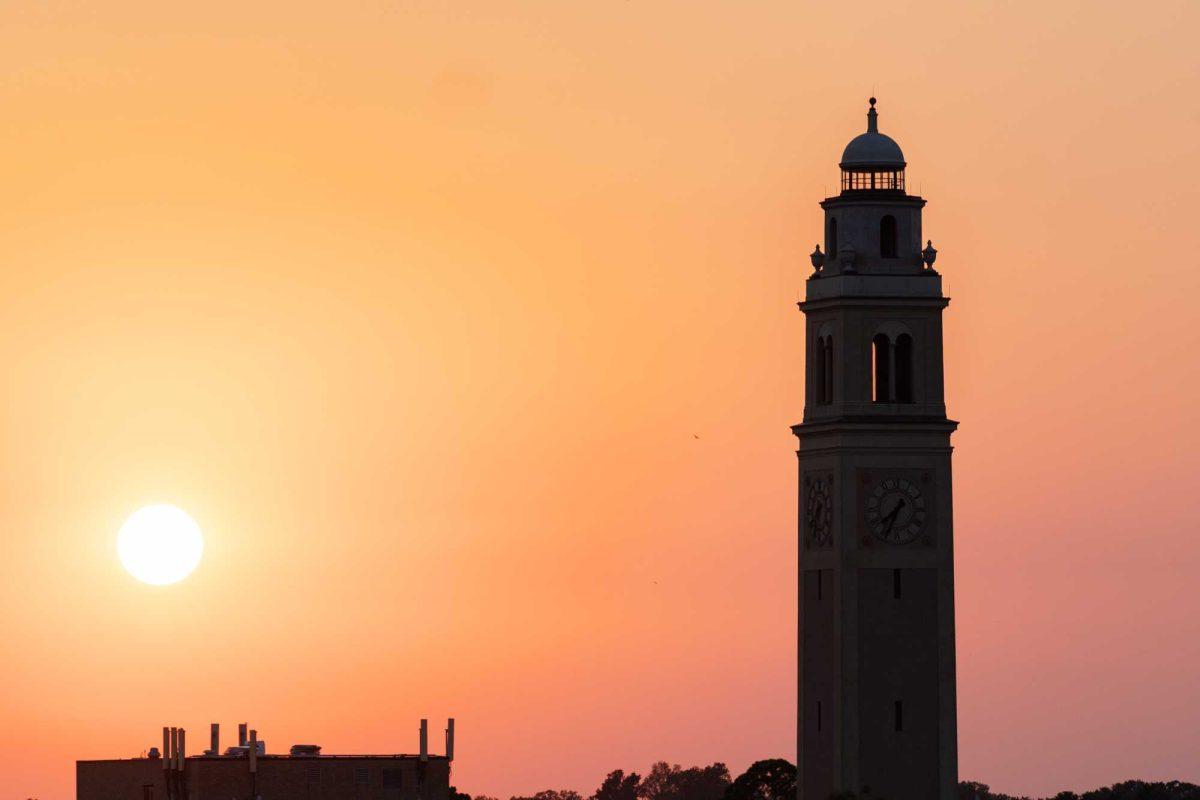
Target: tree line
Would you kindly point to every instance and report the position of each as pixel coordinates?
(775, 779)
(772, 779)
(1126, 790)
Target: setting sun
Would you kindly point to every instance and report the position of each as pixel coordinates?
(160, 544)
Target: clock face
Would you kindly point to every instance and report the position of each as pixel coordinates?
(818, 513)
(896, 511)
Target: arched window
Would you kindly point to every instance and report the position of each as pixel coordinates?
(827, 375)
(887, 236)
(904, 369)
(831, 246)
(881, 369)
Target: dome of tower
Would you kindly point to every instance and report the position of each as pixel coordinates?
(872, 149)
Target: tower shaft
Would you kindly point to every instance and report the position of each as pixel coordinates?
(877, 706)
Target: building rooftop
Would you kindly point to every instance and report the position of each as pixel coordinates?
(280, 756)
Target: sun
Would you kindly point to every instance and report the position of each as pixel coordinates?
(160, 544)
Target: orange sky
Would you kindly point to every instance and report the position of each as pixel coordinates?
(417, 308)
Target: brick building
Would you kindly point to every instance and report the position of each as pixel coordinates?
(248, 772)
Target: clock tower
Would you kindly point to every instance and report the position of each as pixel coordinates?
(876, 686)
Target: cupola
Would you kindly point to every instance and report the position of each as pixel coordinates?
(872, 162)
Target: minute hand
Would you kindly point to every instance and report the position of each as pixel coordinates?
(890, 519)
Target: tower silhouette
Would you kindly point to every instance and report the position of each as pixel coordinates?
(877, 679)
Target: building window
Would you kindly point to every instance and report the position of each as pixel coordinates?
(899, 716)
(818, 716)
(819, 592)
(881, 369)
(892, 369)
(896, 586)
(819, 371)
(827, 375)
(831, 245)
(887, 236)
(823, 370)
(313, 773)
(362, 776)
(148, 791)
(904, 369)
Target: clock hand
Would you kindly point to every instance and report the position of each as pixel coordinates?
(890, 519)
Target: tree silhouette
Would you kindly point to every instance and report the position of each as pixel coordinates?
(775, 779)
(1127, 790)
(618, 786)
(670, 782)
(552, 794)
(771, 779)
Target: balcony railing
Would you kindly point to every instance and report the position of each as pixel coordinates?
(872, 180)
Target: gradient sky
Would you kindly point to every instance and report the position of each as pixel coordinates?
(418, 307)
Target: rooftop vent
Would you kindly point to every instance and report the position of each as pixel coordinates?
(260, 745)
(306, 750)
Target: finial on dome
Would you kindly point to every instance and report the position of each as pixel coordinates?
(872, 118)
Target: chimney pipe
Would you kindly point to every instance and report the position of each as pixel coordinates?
(241, 734)
(215, 737)
(450, 739)
(174, 746)
(182, 749)
(166, 751)
(424, 740)
(253, 751)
